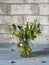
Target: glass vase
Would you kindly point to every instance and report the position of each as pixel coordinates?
(25, 48)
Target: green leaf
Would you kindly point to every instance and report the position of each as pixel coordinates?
(18, 45)
(33, 37)
(20, 27)
(38, 25)
(38, 31)
(27, 26)
(14, 27)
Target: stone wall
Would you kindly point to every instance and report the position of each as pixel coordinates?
(20, 12)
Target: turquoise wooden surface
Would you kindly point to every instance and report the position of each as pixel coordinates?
(39, 53)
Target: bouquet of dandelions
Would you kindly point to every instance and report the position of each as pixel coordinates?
(25, 33)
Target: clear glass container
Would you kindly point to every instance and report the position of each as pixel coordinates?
(25, 48)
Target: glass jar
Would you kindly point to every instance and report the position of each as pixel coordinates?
(25, 48)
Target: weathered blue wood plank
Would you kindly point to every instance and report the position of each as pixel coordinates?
(38, 56)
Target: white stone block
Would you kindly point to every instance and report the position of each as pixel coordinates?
(4, 30)
(16, 40)
(35, 9)
(1, 20)
(21, 9)
(1, 38)
(25, 9)
(13, 19)
(29, 19)
(44, 9)
(45, 31)
(3, 9)
(5, 38)
(36, 1)
(43, 19)
(11, 1)
(41, 40)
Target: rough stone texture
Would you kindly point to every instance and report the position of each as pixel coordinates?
(8, 8)
(21, 9)
(25, 9)
(13, 19)
(22, 1)
(21, 13)
(11, 1)
(3, 9)
(1, 20)
(35, 9)
(36, 1)
(44, 9)
(40, 40)
(43, 19)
